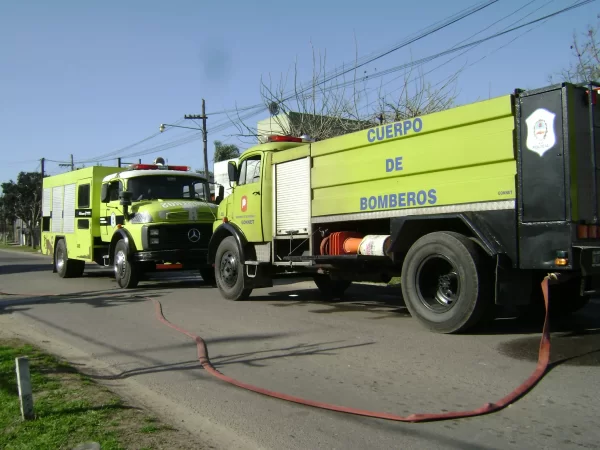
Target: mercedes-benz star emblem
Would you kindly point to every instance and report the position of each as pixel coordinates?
(194, 235)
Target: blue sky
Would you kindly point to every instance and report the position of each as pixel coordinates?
(89, 78)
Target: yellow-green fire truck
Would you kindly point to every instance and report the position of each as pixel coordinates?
(471, 206)
(137, 219)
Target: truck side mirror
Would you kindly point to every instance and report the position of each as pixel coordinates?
(125, 197)
(104, 198)
(221, 195)
(232, 172)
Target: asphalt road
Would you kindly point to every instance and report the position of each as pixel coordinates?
(364, 352)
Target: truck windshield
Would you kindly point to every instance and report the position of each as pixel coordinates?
(153, 187)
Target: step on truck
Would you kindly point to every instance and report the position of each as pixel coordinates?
(135, 219)
(471, 207)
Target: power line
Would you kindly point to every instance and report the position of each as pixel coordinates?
(447, 79)
(257, 109)
(427, 32)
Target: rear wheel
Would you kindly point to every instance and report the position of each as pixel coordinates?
(331, 289)
(447, 282)
(65, 267)
(229, 271)
(126, 272)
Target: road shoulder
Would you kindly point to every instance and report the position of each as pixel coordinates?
(195, 425)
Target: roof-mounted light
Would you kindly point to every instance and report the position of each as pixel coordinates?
(158, 166)
(278, 138)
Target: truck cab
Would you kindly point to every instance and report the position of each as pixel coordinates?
(155, 215)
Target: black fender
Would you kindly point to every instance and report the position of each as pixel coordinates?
(496, 234)
(121, 234)
(224, 230)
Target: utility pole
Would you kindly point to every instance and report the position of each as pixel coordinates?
(204, 135)
(43, 161)
(71, 165)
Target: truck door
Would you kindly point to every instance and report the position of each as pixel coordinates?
(111, 213)
(247, 201)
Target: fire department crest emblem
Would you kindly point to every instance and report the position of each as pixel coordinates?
(540, 131)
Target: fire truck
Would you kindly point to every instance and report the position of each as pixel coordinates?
(136, 219)
(471, 207)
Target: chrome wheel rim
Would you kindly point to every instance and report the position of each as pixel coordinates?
(229, 269)
(120, 264)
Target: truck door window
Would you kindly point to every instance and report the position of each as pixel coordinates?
(250, 170)
(114, 188)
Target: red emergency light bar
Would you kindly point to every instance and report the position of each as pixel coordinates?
(157, 166)
(276, 138)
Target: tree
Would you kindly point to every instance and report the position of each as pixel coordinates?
(224, 152)
(585, 52)
(23, 199)
(329, 106)
(6, 217)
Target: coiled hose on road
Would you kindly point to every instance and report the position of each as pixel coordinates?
(487, 408)
(534, 378)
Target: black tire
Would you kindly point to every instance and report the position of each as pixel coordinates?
(208, 276)
(229, 271)
(447, 282)
(65, 267)
(126, 271)
(331, 289)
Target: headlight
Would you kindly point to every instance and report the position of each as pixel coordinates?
(142, 217)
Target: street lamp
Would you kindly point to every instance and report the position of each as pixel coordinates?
(203, 129)
(163, 125)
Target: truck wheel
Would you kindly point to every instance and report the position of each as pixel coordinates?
(208, 275)
(447, 282)
(65, 267)
(126, 272)
(331, 289)
(229, 271)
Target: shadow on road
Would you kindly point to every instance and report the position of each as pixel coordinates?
(251, 359)
(96, 299)
(24, 268)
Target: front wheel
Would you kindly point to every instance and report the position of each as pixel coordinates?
(447, 283)
(229, 271)
(126, 272)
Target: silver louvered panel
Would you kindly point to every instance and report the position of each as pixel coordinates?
(69, 209)
(46, 202)
(57, 209)
(292, 211)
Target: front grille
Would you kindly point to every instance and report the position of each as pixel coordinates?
(176, 236)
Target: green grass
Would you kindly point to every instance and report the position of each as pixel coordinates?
(20, 248)
(71, 409)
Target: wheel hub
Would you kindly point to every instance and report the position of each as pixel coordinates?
(60, 259)
(120, 264)
(438, 284)
(229, 268)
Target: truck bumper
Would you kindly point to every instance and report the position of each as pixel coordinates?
(189, 258)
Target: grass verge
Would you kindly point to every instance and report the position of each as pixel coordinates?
(19, 248)
(72, 409)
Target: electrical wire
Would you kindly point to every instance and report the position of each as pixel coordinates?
(257, 109)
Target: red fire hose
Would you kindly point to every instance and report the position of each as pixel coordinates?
(542, 364)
